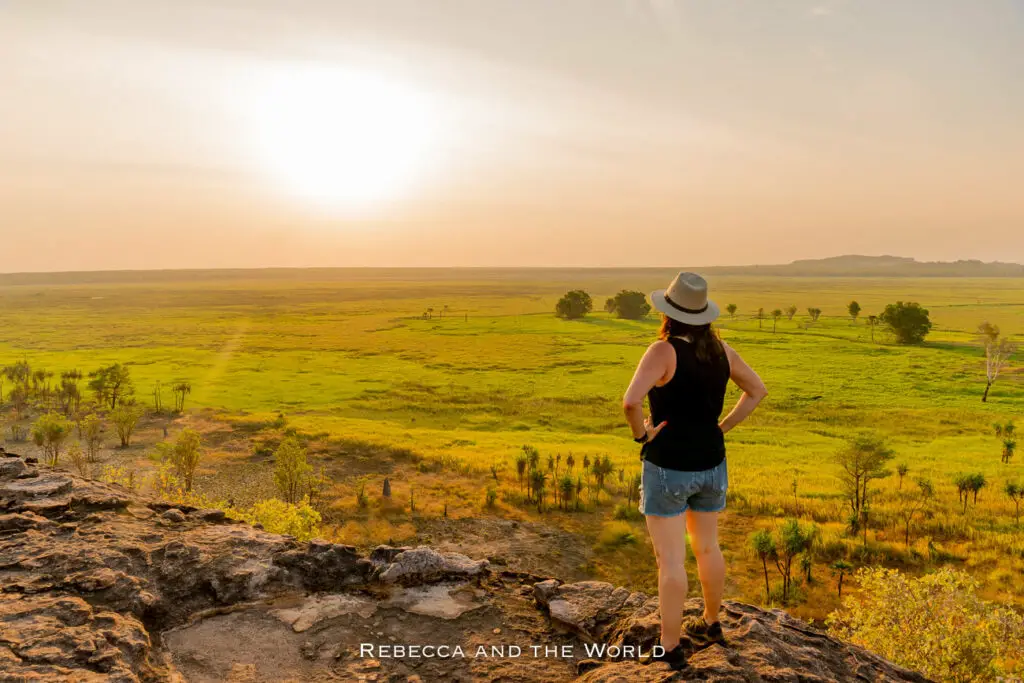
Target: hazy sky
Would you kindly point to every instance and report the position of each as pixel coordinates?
(224, 133)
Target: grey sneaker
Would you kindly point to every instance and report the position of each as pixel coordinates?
(701, 632)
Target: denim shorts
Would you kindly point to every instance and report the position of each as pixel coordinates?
(667, 493)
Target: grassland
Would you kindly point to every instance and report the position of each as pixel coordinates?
(434, 403)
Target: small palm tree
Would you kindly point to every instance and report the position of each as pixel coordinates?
(841, 568)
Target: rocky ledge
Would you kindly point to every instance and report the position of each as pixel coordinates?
(97, 584)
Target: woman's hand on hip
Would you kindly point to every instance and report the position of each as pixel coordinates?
(651, 430)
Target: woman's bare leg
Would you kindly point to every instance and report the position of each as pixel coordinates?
(703, 530)
(669, 537)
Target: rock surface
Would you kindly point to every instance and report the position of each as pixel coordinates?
(99, 585)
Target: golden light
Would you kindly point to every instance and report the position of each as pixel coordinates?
(342, 139)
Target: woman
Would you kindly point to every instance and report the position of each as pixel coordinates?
(684, 375)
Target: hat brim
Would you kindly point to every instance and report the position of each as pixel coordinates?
(709, 315)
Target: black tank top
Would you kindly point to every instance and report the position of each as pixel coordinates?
(691, 402)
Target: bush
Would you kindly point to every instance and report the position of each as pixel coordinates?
(50, 432)
(291, 470)
(492, 496)
(625, 512)
(279, 517)
(907, 321)
(615, 534)
(574, 305)
(935, 624)
(629, 304)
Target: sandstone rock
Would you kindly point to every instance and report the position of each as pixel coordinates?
(174, 515)
(85, 584)
(420, 565)
(320, 608)
(586, 606)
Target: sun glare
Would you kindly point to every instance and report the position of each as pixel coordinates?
(342, 139)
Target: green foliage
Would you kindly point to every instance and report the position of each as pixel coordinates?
(574, 305)
(814, 313)
(862, 461)
(112, 384)
(491, 497)
(790, 312)
(731, 308)
(126, 418)
(935, 624)
(183, 456)
(90, 431)
(279, 517)
(291, 470)
(616, 533)
(50, 432)
(853, 308)
(908, 322)
(630, 305)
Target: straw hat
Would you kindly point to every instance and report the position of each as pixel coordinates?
(686, 300)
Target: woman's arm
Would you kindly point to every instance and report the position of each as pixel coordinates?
(753, 390)
(650, 371)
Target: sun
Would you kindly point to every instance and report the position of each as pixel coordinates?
(342, 139)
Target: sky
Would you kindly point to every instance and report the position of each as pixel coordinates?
(251, 133)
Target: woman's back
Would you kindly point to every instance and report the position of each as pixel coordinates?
(691, 403)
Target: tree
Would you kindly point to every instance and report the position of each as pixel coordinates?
(111, 384)
(936, 624)
(794, 539)
(574, 305)
(1016, 494)
(180, 391)
(609, 305)
(853, 308)
(537, 481)
(776, 314)
(731, 308)
(976, 482)
(185, 455)
(763, 545)
(291, 470)
(814, 314)
(90, 431)
(521, 468)
(565, 489)
(125, 418)
(68, 394)
(760, 318)
(77, 458)
(631, 305)
(790, 312)
(861, 461)
(998, 350)
(872, 321)
(50, 432)
(908, 322)
(840, 568)
(911, 503)
(901, 471)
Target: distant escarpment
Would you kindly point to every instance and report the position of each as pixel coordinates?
(97, 584)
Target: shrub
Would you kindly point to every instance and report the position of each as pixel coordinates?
(574, 305)
(492, 496)
(125, 418)
(623, 511)
(935, 624)
(78, 459)
(291, 471)
(907, 321)
(615, 534)
(121, 476)
(183, 455)
(50, 432)
(279, 517)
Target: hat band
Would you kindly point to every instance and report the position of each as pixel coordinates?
(684, 309)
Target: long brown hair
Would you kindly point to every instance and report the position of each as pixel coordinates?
(707, 343)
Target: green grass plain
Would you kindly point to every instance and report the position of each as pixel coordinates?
(348, 353)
